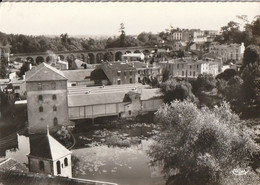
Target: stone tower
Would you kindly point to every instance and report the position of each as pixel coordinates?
(47, 102)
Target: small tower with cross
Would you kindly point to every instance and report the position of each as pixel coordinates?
(48, 156)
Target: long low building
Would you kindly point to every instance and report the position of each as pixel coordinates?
(118, 103)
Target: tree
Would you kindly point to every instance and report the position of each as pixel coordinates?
(250, 71)
(204, 82)
(174, 90)
(227, 74)
(201, 146)
(122, 36)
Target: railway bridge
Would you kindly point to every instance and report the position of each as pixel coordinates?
(88, 56)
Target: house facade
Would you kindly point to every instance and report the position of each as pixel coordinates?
(119, 73)
(189, 68)
(233, 52)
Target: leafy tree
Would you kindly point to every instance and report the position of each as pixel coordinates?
(122, 37)
(25, 67)
(204, 82)
(227, 74)
(201, 146)
(176, 90)
(250, 71)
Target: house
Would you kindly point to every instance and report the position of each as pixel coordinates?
(48, 156)
(79, 77)
(47, 102)
(228, 52)
(119, 72)
(188, 67)
(145, 70)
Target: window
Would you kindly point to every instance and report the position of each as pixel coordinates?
(118, 73)
(53, 85)
(41, 165)
(139, 80)
(39, 86)
(139, 72)
(190, 66)
(177, 66)
(130, 80)
(124, 73)
(129, 112)
(40, 98)
(55, 121)
(66, 161)
(118, 82)
(54, 97)
(193, 73)
(17, 87)
(54, 108)
(182, 73)
(40, 109)
(130, 73)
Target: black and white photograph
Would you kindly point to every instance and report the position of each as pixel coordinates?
(129, 93)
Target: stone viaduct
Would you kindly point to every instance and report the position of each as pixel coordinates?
(88, 56)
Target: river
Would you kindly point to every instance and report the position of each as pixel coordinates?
(115, 155)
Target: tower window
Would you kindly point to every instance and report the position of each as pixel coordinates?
(39, 86)
(53, 85)
(40, 98)
(54, 108)
(41, 165)
(66, 161)
(55, 121)
(129, 112)
(40, 109)
(54, 97)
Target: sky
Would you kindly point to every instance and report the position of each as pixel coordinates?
(105, 18)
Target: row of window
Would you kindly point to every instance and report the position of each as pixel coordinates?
(42, 167)
(119, 72)
(54, 108)
(53, 85)
(40, 97)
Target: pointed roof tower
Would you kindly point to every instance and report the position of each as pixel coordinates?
(46, 147)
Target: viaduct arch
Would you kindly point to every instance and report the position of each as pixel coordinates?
(90, 57)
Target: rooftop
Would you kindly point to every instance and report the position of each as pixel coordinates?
(45, 146)
(22, 178)
(44, 72)
(77, 75)
(118, 66)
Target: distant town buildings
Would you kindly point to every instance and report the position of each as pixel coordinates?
(189, 67)
(228, 52)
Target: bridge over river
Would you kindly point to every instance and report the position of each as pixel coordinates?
(89, 56)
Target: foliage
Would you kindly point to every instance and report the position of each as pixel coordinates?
(227, 74)
(201, 146)
(25, 67)
(204, 82)
(176, 90)
(232, 34)
(250, 71)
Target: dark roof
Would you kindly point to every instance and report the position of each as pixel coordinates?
(14, 178)
(98, 74)
(45, 146)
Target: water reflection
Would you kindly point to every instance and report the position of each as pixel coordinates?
(122, 165)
